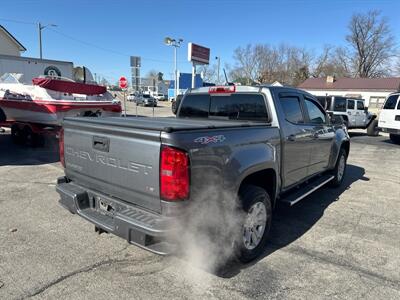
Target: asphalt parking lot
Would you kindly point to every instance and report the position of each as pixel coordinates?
(337, 243)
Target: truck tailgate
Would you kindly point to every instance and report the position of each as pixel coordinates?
(118, 160)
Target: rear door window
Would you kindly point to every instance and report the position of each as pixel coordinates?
(391, 102)
(339, 104)
(292, 109)
(350, 104)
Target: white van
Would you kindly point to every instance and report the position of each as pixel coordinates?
(389, 118)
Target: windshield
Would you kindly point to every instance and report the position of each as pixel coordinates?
(11, 78)
(237, 106)
(146, 96)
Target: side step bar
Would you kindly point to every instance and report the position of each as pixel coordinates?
(300, 194)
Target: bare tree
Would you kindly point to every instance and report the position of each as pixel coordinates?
(266, 64)
(331, 61)
(209, 72)
(371, 44)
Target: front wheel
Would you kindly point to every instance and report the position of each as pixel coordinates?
(340, 169)
(256, 223)
(372, 129)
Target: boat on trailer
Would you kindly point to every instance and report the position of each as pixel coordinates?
(49, 100)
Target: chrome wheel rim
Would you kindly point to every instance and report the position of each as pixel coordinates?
(341, 167)
(254, 225)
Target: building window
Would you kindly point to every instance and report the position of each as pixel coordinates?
(376, 102)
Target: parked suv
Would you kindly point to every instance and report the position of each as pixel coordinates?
(146, 100)
(353, 111)
(389, 117)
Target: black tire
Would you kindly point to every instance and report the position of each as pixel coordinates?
(372, 129)
(3, 117)
(16, 135)
(394, 138)
(32, 139)
(339, 175)
(252, 196)
(29, 137)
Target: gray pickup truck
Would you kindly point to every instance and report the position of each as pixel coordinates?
(134, 177)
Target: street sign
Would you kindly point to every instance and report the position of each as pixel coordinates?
(123, 82)
(198, 54)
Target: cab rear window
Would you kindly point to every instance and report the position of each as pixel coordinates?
(236, 106)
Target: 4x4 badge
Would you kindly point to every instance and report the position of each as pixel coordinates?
(210, 139)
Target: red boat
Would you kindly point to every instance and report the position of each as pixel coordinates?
(48, 101)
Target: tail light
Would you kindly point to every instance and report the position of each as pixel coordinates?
(174, 174)
(61, 146)
(226, 89)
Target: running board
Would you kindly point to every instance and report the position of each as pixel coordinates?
(300, 194)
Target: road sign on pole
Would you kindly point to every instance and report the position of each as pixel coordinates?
(123, 84)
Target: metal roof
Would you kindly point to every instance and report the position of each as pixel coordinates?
(344, 83)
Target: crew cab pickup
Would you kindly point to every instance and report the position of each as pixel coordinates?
(135, 177)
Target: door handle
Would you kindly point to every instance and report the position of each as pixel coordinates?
(291, 138)
(101, 143)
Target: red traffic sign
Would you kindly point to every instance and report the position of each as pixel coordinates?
(123, 82)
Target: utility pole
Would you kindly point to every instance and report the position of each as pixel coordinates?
(40, 28)
(219, 62)
(176, 44)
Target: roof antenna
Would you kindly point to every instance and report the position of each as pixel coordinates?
(226, 79)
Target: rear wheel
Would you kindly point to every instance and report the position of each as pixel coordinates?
(256, 224)
(394, 138)
(340, 169)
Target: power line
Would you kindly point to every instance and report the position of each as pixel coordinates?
(88, 43)
(105, 49)
(17, 21)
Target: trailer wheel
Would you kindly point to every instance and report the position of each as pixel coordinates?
(3, 117)
(32, 139)
(16, 135)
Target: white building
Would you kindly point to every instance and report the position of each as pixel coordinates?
(372, 90)
(9, 45)
(11, 61)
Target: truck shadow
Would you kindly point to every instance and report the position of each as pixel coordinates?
(290, 223)
(17, 155)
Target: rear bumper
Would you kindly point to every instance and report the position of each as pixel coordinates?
(151, 231)
(390, 130)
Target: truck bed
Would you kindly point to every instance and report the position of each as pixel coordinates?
(161, 124)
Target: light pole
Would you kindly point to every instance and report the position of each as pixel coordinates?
(176, 44)
(219, 62)
(40, 28)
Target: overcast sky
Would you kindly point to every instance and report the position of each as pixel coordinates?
(102, 34)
